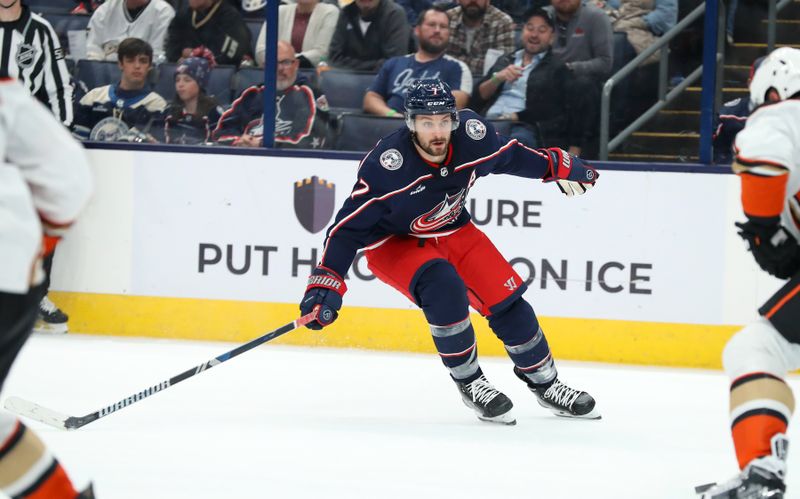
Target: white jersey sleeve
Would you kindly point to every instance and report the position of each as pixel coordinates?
(771, 137)
(768, 161)
(51, 183)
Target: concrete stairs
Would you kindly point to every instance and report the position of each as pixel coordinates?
(673, 135)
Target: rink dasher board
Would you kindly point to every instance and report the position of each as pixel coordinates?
(645, 268)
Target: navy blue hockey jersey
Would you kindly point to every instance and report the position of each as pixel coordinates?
(398, 192)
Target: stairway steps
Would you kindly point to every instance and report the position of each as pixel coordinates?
(663, 143)
(735, 75)
(690, 99)
(673, 121)
(745, 53)
(652, 158)
(672, 135)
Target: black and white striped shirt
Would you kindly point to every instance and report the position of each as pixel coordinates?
(30, 52)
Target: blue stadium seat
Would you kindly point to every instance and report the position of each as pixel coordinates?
(311, 76)
(93, 74)
(65, 22)
(245, 78)
(345, 89)
(219, 84)
(360, 132)
(254, 25)
(51, 6)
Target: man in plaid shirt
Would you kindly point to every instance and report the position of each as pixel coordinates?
(477, 28)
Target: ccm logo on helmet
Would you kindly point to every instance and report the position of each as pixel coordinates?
(436, 103)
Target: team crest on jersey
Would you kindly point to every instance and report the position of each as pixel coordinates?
(442, 214)
(314, 201)
(26, 55)
(109, 130)
(476, 130)
(391, 159)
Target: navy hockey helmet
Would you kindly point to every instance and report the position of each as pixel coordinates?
(430, 96)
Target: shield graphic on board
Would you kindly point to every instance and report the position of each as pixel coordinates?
(314, 200)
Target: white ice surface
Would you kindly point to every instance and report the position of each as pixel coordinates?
(281, 422)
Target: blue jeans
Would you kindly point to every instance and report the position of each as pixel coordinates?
(731, 16)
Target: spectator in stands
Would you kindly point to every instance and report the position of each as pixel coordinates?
(637, 24)
(730, 121)
(308, 25)
(85, 7)
(480, 33)
(527, 87)
(214, 24)
(386, 95)
(192, 115)
(33, 55)
(368, 33)
(301, 113)
(584, 44)
(414, 8)
(117, 20)
(126, 110)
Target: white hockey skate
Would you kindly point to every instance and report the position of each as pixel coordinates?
(762, 478)
(489, 404)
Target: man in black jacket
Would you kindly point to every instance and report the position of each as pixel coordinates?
(213, 24)
(527, 87)
(369, 32)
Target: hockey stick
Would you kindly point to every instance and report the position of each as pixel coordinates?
(50, 417)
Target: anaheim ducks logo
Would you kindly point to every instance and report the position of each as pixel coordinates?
(442, 214)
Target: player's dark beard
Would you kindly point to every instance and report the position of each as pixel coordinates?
(429, 148)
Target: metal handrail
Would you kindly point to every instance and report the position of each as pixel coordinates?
(664, 98)
(774, 8)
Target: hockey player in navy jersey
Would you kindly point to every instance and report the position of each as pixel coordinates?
(407, 210)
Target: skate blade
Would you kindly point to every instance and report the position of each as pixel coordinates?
(504, 419)
(702, 488)
(42, 327)
(593, 414)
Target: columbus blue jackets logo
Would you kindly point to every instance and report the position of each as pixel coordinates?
(391, 159)
(109, 129)
(442, 214)
(314, 200)
(475, 129)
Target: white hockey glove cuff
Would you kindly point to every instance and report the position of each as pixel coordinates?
(571, 188)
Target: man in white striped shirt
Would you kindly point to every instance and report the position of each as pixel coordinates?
(31, 53)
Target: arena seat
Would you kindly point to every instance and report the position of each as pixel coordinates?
(345, 89)
(93, 74)
(360, 132)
